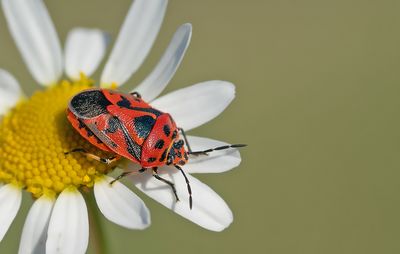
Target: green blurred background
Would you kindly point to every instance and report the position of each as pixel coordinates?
(317, 101)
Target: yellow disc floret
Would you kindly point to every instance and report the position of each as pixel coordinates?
(34, 137)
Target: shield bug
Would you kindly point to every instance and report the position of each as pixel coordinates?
(130, 128)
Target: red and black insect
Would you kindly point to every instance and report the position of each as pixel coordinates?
(129, 127)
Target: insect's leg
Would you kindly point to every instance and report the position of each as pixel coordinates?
(95, 157)
(123, 174)
(186, 140)
(188, 186)
(205, 152)
(165, 181)
(136, 94)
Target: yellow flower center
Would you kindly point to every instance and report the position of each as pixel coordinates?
(34, 137)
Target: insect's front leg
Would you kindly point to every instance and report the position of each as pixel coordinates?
(107, 161)
(172, 185)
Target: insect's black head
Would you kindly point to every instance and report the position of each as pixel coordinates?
(177, 154)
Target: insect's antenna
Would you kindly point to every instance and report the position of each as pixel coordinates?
(188, 186)
(205, 152)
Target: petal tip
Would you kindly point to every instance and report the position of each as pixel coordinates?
(120, 205)
(188, 26)
(224, 225)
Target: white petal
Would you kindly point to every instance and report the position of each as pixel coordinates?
(69, 227)
(195, 105)
(84, 50)
(34, 234)
(214, 162)
(158, 79)
(36, 38)
(10, 201)
(120, 205)
(10, 91)
(209, 210)
(134, 41)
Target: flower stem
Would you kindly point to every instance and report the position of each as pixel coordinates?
(97, 236)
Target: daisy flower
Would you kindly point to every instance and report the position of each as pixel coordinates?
(35, 132)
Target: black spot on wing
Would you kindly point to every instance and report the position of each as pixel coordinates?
(174, 134)
(163, 156)
(159, 144)
(113, 125)
(89, 104)
(143, 125)
(167, 130)
(149, 110)
(125, 103)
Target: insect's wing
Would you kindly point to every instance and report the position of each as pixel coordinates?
(121, 122)
(112, 132)
(85, 132)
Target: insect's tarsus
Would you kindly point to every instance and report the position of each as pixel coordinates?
(122, 175)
